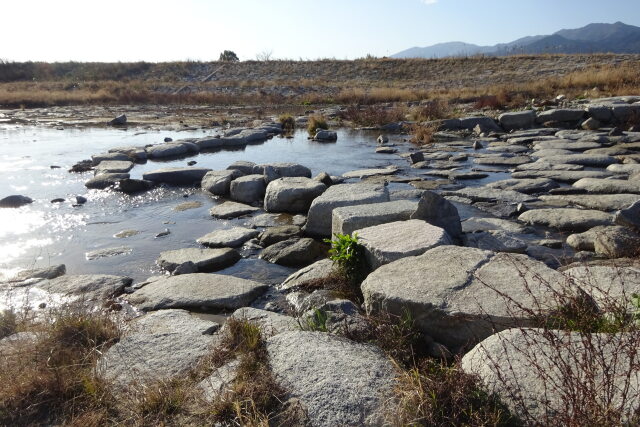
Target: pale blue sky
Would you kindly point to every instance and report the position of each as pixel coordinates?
(162, 30)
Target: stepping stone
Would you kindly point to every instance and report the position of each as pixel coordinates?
(317, 270)
(294, 252)
(88, 287)
(527, 186)
(228, 210)
(506, 161)
(560, 144)
(477, 224)
(159, 346)
(248, 189)
(601, 202)
(369, 172)
(495, 241)
(361, 377)
(204, 259)
(486, 194)
(609, 186)
(566, 219)
(542, 165)
(595, 160)
(561, 176)
(320, 212)
(292, 194)
(231, 238)
(389, 242)
(459, 295)
(199, 291)
(113, 166)
(347, 219)
(177, 176)
(218, 182)
(104, 180)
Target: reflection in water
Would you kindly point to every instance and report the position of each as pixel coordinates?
(44, 234)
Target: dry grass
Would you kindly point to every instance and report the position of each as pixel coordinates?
(373, 115)
(316, 122)
(423, 133)
(254, 397)
(511, 80)
(52, 377)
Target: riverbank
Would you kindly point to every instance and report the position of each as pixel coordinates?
(488, 272)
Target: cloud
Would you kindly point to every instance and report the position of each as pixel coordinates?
(429, 1)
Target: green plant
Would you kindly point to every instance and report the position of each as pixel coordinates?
(315, 123)
(348, 256)
(288, 122)
(316, 322)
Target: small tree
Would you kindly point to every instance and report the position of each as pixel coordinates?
(229, 56)
(265, 55)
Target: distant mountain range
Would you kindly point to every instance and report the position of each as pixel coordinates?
(593, 38)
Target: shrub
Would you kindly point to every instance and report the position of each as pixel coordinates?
(288, 122)
(315, 123)
(348, 256)
(423, 134)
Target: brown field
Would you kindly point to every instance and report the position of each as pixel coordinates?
(491, 81)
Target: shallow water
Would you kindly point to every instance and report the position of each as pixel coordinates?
(43, 234)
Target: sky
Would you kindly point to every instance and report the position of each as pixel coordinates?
(163, 30)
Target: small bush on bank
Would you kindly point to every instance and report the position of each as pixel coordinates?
(423, 134)
(288, 123)
(315, 123)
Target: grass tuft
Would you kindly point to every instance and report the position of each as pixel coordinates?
(315, 123)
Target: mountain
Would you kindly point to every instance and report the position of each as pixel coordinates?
(444, 49)
(592, 38)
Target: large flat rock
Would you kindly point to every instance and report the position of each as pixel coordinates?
(608, 186)
(177, 176)
(527, 186)
(535, 372)
(338, 382)
(228, 210)
(460, 295)
(159, 346)
(347, 219)
(320, 212)
(487, 194)
(317, 270)
(204, 259)
(601, 202)
(113, 166)
(86, 286)
(230, 238)
(293, 194)
(567, 219)
(389, 242)
(568, 176)
(197, 291)
(218, 182)
(294, 252)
